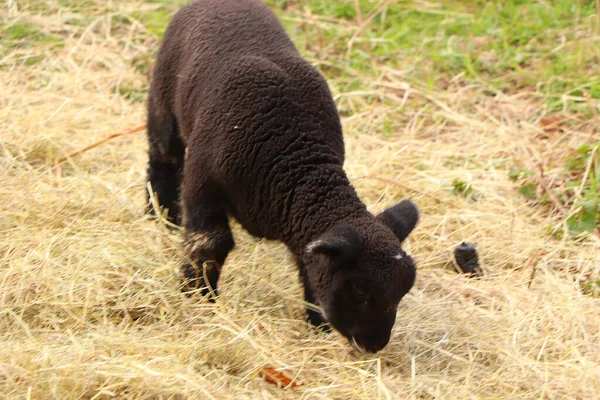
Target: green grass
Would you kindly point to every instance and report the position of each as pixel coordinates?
(25, 34)
(156, 20)
(583, 188)
(133, 94)
(592, 287)
(52, 7)
(508, 45)
(577, 188)
(21, 35)
(76, 5)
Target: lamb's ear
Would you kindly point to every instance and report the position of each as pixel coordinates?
(401, 218)
(338, 244)
(333, 247)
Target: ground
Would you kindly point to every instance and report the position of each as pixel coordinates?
(485, 113)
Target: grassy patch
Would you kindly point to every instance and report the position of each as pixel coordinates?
(462, 188)
(582, 188)
(591, 287)
(574, 192)
(156, 19)
(133, 93)
(50, 7)
(76, 5)
(25, 40)
(507, 45)
(24, 34)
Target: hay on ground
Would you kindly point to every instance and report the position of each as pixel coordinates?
(89, 306)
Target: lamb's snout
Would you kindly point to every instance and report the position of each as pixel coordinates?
(369, 344)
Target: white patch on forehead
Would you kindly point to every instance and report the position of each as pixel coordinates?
(398, 256)
(311, 246)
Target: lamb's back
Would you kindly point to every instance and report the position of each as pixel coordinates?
(278, 133)
(260, 119)
(201, 44)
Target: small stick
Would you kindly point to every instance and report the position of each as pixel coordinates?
(533, 270)
(553, 198)
(598, 12)
(358, 13)
(364, 25)
(551, 195)
(587, 171)
(61, 160)
(533, 262)
(588, 98)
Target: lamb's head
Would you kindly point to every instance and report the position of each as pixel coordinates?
(359, 273)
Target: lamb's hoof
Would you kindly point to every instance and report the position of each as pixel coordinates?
(317, 320)
(200, 279)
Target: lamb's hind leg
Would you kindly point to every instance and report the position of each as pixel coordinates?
(166, 154)
(208, 237)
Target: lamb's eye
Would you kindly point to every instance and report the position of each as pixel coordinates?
(360, 293)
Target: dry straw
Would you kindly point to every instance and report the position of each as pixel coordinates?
(89, 306)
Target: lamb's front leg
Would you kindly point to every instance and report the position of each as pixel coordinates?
(312, 316)
(165, 160)
(208, 237)
(205, 252)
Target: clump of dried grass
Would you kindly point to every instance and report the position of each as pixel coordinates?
(89, 306)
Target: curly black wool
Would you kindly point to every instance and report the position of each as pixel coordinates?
(240, 125)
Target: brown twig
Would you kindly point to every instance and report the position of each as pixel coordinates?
(587, 171)
(545, 187)
(598, 12)
(588, 98)
(358, 13)
(61, 160)
(533, 262)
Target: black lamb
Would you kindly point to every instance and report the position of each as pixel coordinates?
(239, 124)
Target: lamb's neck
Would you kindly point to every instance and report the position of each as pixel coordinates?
(321, 200)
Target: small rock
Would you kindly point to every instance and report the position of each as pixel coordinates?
(467, 259)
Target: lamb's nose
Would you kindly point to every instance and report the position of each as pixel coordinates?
(371, 344)
(375, 347)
